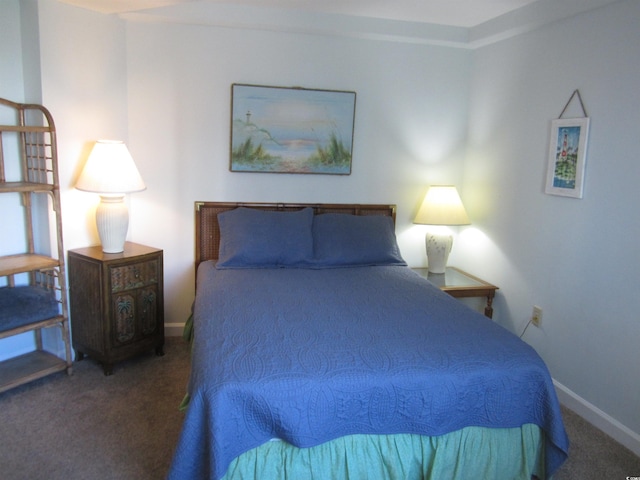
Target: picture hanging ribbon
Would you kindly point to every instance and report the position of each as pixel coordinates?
(575, 92)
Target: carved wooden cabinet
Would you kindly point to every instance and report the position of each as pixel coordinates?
(116, 302)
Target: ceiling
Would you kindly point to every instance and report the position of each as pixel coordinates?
(458, 13)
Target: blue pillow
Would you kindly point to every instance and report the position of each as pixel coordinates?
(350, 240)
(251, 238)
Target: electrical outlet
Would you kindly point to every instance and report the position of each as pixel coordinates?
(536, 316)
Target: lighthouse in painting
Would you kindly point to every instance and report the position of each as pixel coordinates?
(565, 146)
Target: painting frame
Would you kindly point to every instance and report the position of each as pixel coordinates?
(567, 157)
(291, 130)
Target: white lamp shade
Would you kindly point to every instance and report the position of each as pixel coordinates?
(442, 206)
(111, 172)
(110, 169)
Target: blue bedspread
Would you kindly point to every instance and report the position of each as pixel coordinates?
(311, 355)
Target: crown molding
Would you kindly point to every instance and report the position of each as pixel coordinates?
(517, 22)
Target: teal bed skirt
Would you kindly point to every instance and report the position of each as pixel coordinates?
(472, 453)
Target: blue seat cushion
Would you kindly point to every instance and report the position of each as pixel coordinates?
(23, 305)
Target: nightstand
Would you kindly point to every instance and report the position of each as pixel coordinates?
(116, 303)
(461, 284)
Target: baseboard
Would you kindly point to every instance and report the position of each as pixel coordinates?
(173, 329)
(598, 418)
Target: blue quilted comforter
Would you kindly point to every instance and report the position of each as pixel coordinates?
(311, 355)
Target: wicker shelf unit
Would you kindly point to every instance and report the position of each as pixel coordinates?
(33, 291)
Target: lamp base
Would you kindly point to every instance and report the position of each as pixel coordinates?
(438, 249)
(112, 220)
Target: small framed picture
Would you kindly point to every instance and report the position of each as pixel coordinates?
(567, 157)
(291, 130)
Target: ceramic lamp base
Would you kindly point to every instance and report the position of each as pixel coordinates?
(438, 249)
(112, 220)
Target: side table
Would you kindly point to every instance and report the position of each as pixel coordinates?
(459, 284)
(116, 302)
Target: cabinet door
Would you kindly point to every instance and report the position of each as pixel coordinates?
(124, 318)
(135, 303)
(135, 314)
(148, 310)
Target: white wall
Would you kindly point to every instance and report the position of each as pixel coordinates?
(11, 80)
(164, 88)
(577, 259)
(410, 110)
(84, 85)
(12, 88)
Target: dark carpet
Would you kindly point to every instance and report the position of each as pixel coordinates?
(92, 426)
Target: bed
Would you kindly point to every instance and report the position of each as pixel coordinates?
(317, 353)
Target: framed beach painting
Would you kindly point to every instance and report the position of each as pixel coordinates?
(291, 130)
(567, 157)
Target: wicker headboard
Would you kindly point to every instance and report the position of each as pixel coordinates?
(208, 231)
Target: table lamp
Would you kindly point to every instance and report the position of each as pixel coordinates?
(111, 172)
(441, 206)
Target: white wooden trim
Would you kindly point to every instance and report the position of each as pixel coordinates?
(598, 418)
